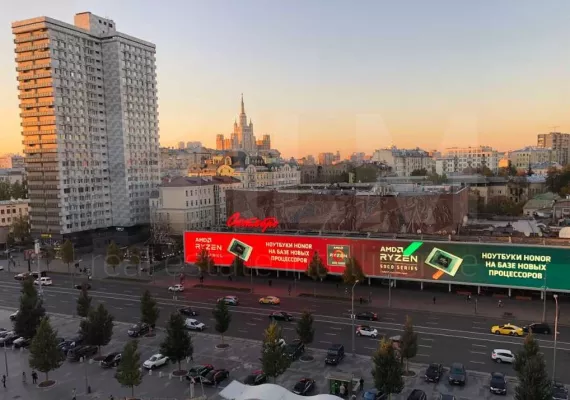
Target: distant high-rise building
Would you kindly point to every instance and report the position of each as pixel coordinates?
(181, 145)
(220, 144)
(227, 144)
(89, 113)
(264, 143)
(559, 143)
(327, 158)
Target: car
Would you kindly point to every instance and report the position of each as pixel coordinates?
(255, 378)
(157, 360)
(433, 373)
(559, 391)
(215, 377)
(176, 288)
(229, 300)
(374, 394)
(443, 396)
(84, 285)
(65, 346)
(270, 300)
(138, 329)
(457, 374)
(367, 315)
(280, 316)
(194, 325)
(537, 327)
(44, 280)
(78, 352)
(498, 384)
(7, 338)
(417, 394)
(188, 312)
(22, 276)
(335, 354)
(304, 386)
(111, 360)
(13, 316)
(365, 330)
(199, 371)
(507, 329)
(294, 349)
(21, 342)
(503, 356)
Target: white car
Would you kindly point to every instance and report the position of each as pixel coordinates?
(176, 288)
(230, 300)
(194, 325)
(158, 360)
(44, 280)
(503, 356)
(365, 330)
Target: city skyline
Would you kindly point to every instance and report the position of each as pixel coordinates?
(480, 74)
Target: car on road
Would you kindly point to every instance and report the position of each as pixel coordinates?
(215, 377)
(138, 329)
(294, 349)
(417, 394)
(78, 352)
(194, 325)
(503, 356)
(84, 285)
(188, 312)
(199, 371)
(365, 330)
(21, 342)
(255, 378)
(176, 288)
(111, 360)
(44, 280)
(507, 329)
(374, 394)
(65, 346)
(280, 316)
(537, 327)
(367, 315)
(444, 396)
(7, 338)
(335, 354)
(304, 387)
(457, 374)
(157, 360)
(13, 316)
(559, 391)
(434, 372)
(498, 384)
(229, 300)
(270, 300)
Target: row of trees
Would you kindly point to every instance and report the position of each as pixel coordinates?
(16, 190)
(558, 180)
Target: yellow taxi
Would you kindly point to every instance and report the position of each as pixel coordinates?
(507, 329)
(269, 300)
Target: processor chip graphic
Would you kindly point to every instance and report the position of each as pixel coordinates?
(444, 262)
(240, 249)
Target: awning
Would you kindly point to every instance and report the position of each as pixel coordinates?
(268, 391)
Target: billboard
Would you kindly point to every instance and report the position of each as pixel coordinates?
(449, 262)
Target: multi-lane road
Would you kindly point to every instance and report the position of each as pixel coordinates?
(442, 338)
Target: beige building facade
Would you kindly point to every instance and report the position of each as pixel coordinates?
(11, 210)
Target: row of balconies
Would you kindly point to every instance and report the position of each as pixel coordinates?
(33, 186)
(45, 158)
(32, 67)
(23, 39)
(34, 133)
(41, 169)
(23, 49)
(45, 178)
(34, 85)
(37, 113)
(39, 150)
(38, 123)
(37, 56)
(35, 94)
(34, 76)
(37, 104)
(39, 141)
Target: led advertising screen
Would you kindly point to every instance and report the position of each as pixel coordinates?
(470, 263)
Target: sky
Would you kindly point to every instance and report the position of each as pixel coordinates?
(328, 75)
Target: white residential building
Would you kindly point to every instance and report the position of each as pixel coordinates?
(474, 157)
(191, 203)
(404, 162)
(261, 176)
(88, 101)
(522, 158)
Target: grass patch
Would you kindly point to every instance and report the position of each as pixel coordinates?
(332, 297)
(223, 287)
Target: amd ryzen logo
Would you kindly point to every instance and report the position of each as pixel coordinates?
(337, 255)
(396, 254)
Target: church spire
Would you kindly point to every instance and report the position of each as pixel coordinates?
(242, 105)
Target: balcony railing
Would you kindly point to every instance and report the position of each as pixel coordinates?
(37, 113)
(33, 95)
(46, 132)
(24, 39)
(33, 57)
(38, 123)
(37, 104)
(40, 141)
(34, 85)
(34, 76)
(23, 49)
(32, 67)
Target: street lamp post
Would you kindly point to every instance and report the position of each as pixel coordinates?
(555, 338)
(6, 360)
(389, 290)
(37, 251)
(544, 300)
(353, 317)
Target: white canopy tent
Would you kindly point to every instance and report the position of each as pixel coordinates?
(268, 391)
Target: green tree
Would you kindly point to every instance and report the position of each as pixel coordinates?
(114, 256)
(419, 172)
(67, 254)
(128, 371)
(149, 309)
(5, 190)
(18, 191)
(238, 266)
(305, 329)
(83, 302)
(409, 344)
(97, 329)
(387, 369)
(20, 228)
(48, 254)
(177, 344)
(134, 256)
(274, 360)
(44, 353)
(204, 261)
(534, 382)
(352, 272)
(529, 350)
(316, 269)
(223, 317)
(31, 311)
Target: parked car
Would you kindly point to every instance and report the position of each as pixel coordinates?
(434, 373)
(294, 349)
(194, 325)
(199, 371)
(335, 354)
(229, 300)
(65, 346)
(157, 360)
(365, 330)
(78, 352)
(457, 374)
(7, 338)
(13, 316)
(367, 315)
(176, 288)
(374, 394)
(503, 356)
(417, 394)
(507, 329)
(215, 377)
(21, 342)
(559, 391)
(537, 327)
(138, 329)
(498, 384)
(304, 387)
(443, 396)
(44, 280)
(188, 312)
(281, 316)
(111, 360)
(255, 378)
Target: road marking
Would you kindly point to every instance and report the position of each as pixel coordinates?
(424, 345)
(427, 339)
(479, 323)
(390, 313)
(129, 305)
(64, 301)
(479, 327)
(335, 328)
(242, 331)
(324, 342)
(422, 355)
(250, 324)
(478, 345)
(257, 319)
(477, 362)
(371, 348)
(431, 323)
(288, 329)
(330, 334)
(119, 308)
(477, 352)
(388, 319)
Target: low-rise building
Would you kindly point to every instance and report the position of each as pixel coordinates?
(12, 175)
(9, 161)
(403, 162)
(325, 173)
(544, 201)
(474, 157)
(176, 162)
(11, 210)
(530, 155)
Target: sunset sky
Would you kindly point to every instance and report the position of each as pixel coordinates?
(327, 75)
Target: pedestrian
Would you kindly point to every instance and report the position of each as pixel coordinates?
(500, 304)
(433, 299)
(74, 394)
(4, 381)
(361, 383)
(270, 283)
(289, 290)
(360, 300)
(342, 390)
(24, 376)
(34, 377)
